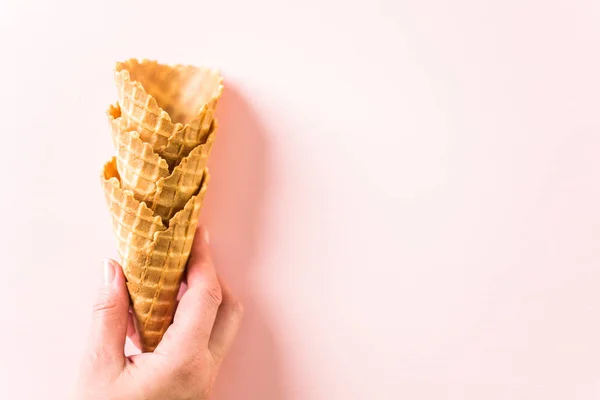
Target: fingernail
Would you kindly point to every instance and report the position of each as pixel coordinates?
(206, 236)
(109, 272)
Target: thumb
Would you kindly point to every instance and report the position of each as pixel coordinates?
(110, 317)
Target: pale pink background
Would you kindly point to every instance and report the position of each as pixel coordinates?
(406, 193)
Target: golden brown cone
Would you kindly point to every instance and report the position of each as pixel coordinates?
(172, 107)
(147, 174)
(153, 255)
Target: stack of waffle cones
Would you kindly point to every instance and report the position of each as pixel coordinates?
(163, 129)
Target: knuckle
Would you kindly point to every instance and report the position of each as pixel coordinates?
(188, 378)
(183, 376)
(106, 304)
(213, 296)
(98, 356)
(181, 380)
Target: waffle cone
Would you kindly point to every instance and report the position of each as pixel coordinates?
(153, 254)
(171, 107)
(146, 174)
(163, 129)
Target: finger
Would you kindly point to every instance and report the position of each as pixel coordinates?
(132, 332)
(227, 325)
(182, 289)
(198, 306)
(109, 319)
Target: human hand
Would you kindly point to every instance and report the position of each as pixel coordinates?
(186, 361)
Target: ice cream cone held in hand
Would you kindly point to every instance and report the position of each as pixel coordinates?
(163, 128)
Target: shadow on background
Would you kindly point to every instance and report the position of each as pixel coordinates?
(233, 212)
